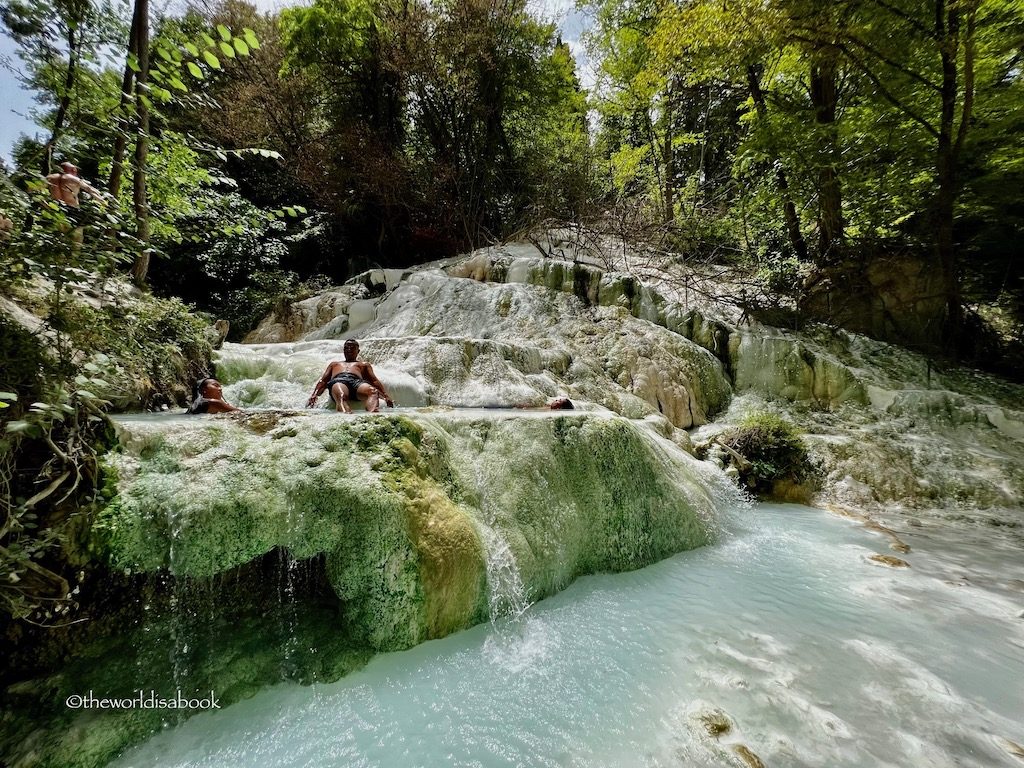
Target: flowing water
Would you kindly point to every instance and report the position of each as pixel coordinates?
(813, 654)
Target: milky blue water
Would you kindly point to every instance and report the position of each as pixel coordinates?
(816, 655)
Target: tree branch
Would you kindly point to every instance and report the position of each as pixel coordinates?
(888, 96)
(906, 17)
(965, 114)
(894, 64)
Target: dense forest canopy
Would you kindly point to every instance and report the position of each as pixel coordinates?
(858, 159)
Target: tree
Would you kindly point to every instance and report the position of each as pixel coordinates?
(55, 39)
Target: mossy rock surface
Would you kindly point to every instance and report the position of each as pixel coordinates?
(396, 505)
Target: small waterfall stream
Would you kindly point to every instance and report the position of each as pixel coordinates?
(507, 595)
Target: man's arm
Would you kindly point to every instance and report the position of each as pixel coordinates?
(92, 192)
(321, 385)
(372, 378)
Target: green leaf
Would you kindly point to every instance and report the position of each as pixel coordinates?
(240, 46)
(19, 426)
(133, 63)
(178, 85)
(227, 50)
(192, 48)
(164, 54)
(210, 42)
(224, 32)
(194, 70)
(251, 39)
(8, 396)
(212, 60)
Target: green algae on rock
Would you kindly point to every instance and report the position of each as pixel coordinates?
(396, 505)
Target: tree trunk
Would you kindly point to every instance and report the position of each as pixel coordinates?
(824, 99)
(789, 214)
(669, 158)
(950, 142)
(121, 138)
(74, 54)
(141, 265)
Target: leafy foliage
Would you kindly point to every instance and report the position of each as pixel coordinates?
(774, 449)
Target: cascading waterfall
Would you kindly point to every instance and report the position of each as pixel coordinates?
(507, 598)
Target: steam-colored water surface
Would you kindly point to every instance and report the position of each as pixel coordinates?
(819, 656)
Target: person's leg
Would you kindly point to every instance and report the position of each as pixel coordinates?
(339, 393)
(368, 394)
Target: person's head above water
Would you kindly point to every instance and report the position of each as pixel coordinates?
(209, 388)
(351, 349)
(561, 404)
(208, 397)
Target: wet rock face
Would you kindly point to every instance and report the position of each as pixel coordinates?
(395, 505)
(448, 341)
(507, 326)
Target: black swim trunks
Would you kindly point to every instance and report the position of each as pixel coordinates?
(350, 380)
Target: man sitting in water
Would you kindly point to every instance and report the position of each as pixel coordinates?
(208, 397)
(351, 380)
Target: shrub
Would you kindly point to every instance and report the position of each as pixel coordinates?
(774, 451)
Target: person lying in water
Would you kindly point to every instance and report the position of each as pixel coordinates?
(351, 379)
(208, 397)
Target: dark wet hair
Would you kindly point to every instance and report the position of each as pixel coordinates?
(199, 387)
(198, 392)
(350, 342)
(562, 404)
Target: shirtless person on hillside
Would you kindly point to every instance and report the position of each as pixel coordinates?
(67, 185)
(350, 380)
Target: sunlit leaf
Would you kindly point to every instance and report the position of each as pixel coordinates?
(224, 32)
(227, 50)
(212, 60)
(194, 70)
